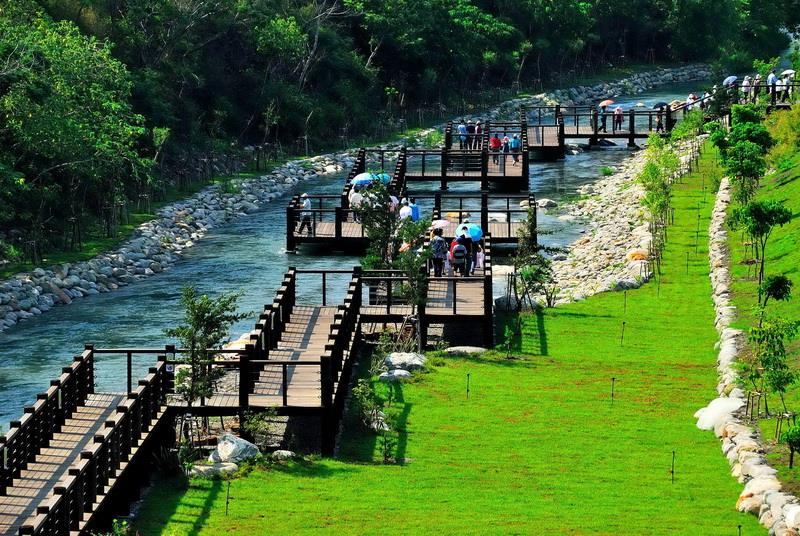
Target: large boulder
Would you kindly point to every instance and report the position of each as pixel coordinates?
(233, 449)
(405, 361)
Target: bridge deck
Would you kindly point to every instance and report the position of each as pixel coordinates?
(502, 232)
(36, 483)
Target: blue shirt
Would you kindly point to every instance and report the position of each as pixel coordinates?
(414, 211)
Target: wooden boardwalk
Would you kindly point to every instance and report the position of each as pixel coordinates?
(50, 466)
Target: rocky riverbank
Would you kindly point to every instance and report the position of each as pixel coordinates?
(742, 444)
(158, 244)
(615, 251)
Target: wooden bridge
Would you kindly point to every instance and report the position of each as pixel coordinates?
(75, 452)
(336, 228)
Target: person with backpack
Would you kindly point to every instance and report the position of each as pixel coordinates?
(305, 214)
(478, 133)
(464, 239)
(506, 149)
(470, 135)
(515, 144)
(414, 209)
(618, 116)
(494, 147)
(438, 252)
(458, 257)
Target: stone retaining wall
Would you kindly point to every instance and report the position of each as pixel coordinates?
(159, 243)
(742, 445)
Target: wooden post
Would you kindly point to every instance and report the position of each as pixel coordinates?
(485, 212)
(484, 169)
(534, 215)
(291, 243)
(562, 149)
(669, 124)
(556, 114)
(443, 178)
(339, 215)
(631, 128)
(245, 370)
(437, 202)
(488, 320)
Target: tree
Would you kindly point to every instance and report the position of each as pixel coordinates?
(746, 165)
(751, 132)
(758, 219)
(792, 438)
(205, 329)
(769, 346)
(378, 222)
(776, 287)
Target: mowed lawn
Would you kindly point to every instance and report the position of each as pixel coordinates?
(538, 448)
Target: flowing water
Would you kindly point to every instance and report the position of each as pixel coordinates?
(246, 256)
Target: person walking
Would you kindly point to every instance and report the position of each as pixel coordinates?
(305, 214)
(617, 118)
(470, 135)
(756, 87)
(438, 252)
(516, 145)
(356, 199)
(414, 209)
(462, 135)
(458, 257)
(506, 144)
(746, 88)
(466, 240)
(785, 83)
(405, 210)
(772, 82)
(478, 135)
(494, 147)
(660, 120)
(603, 119)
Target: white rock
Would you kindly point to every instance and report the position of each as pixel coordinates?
(214, 470)
(717, 412)
(283, 455)
(394, 376)
(233, 449)
(464, 350)
(405, 361)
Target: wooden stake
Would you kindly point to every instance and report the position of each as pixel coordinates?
(468, 385)
(622, 337)
(672, 471)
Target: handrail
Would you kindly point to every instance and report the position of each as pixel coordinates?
(34, 430)
(111, 452)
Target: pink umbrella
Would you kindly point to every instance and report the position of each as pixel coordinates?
(439, 224)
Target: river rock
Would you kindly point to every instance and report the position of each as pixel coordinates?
(282, 455)
(546, 203)
(394, 376)
(233, 449)
(215, 470)
(405, 361)
(464, 350)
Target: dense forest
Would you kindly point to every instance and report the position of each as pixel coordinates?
(98, 96)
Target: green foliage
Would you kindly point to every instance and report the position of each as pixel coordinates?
(776, 287)
(606, 171)
(769, 348)
(751, 132)
(792, 439)
(785, 129)
(763, 67)
(758, 219)
(745, 165)
(379, 225)
(119, 527)
(204, 329)
(691, 125)
(260, 426)
(746, 113)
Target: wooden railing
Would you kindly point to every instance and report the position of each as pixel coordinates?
(102, 464)
(26, 436)
(462, 205)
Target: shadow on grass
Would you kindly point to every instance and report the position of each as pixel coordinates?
(200, 508)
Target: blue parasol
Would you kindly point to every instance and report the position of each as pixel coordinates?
(369, 178)
(730, 80)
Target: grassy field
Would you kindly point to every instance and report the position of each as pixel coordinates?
(783, 257)
(538, 448)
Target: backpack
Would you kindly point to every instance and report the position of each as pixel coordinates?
(459, 254)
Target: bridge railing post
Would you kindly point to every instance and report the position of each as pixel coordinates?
(484, 169)
(445, 164)
(485, 212)
(291, 243)
(631, 128)
(245, 372)
(340, 215)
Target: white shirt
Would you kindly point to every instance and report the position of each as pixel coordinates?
(771, 79)
(405, 212)
(306, 207)
(356, 199)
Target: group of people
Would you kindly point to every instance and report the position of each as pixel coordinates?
(463, 253)
(469, 139)
(469, 135)
(619, 116)
(506, 145)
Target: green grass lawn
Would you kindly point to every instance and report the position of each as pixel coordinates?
(538, 448)
(783, 257)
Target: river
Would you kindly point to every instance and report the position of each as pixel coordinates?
(245, 256)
